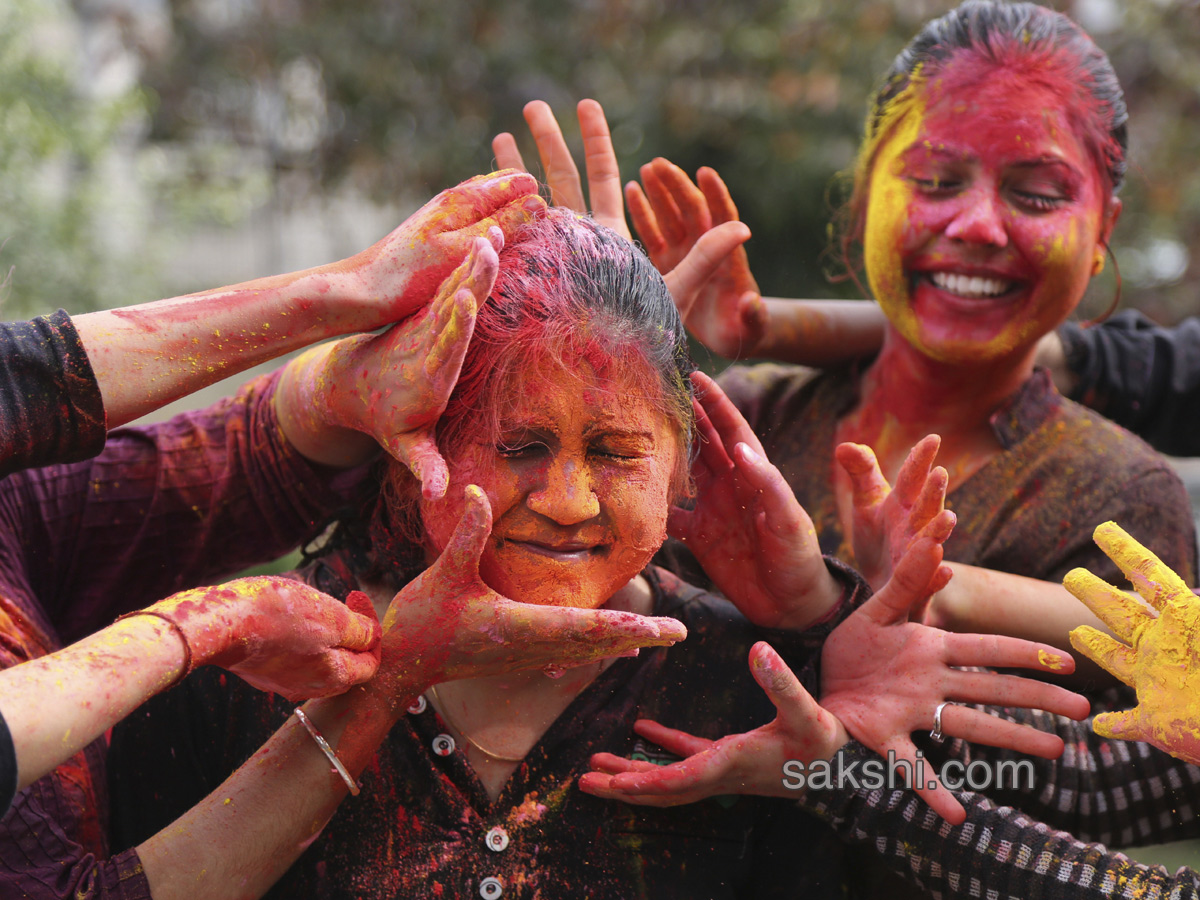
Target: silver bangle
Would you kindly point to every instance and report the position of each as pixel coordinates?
(936, 733)
(328, 751)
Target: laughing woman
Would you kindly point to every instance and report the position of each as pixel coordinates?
(984, 195)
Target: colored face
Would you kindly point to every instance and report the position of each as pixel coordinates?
(984, 214)
(580, 482)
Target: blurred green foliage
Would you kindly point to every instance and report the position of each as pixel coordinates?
(252, 100)
(56, 198)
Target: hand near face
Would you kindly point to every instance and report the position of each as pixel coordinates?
(395, 277)
(604, 175)
(747, 530)
(689, 272)
(1155, 650)
(884, 676)
(672, 216)
(278, 634)
(394, 386)
(447, 624)
(750, 763)
(886, 521)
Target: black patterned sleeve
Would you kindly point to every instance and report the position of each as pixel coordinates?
(998, 852)
(50, 405)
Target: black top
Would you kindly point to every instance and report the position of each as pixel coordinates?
(50, 405)
(1142, 376)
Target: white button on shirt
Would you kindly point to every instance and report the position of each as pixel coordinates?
(497, 839)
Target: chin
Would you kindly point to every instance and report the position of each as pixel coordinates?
(556, 590)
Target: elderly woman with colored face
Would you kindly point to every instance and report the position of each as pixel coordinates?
(568, 437)
(984, 197)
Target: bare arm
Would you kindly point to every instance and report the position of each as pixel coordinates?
(148, 355)
(276, 633)
(988, 602)
(820, 333)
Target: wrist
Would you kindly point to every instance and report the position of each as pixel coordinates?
(820, 602)
(314, 426)
(201, 622)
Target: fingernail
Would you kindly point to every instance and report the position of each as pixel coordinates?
(750, 455)
(634, 652)
(533, 204)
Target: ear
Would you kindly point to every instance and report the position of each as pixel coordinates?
(1111, 214)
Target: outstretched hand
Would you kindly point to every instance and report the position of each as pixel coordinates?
(604, 176)
(278, 634)
(394, 386)
(884, 676)
(886, 521)
(750, 763)
(691, 269)
(1156, 650)
(447, 624)
(673, 216)
(746, 529)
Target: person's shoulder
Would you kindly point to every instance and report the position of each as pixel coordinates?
(1110, 447)
(778, 395)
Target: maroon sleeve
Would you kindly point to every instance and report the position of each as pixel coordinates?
(163, 508)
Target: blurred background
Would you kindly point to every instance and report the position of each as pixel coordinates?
(150, 148)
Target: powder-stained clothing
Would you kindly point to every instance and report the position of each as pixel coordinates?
(51, 410)
(1030, 510)
(1142, 376)
(161, 509)
(1103, 791)
(423, 825)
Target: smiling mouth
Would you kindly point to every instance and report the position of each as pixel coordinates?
(566, 552)
(971, 287)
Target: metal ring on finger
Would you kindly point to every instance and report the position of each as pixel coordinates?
(937, 734)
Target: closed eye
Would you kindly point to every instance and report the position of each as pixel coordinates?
(936, 185)
(527, 450)
(1042, 202)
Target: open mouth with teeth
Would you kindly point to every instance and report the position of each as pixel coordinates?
(971, 287)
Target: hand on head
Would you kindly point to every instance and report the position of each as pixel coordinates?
(447, 624)
(705, 266)
(1155, 649)
(394, 386)
(886, 521)
(278, 634)
(397, 276)
(746, 529)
